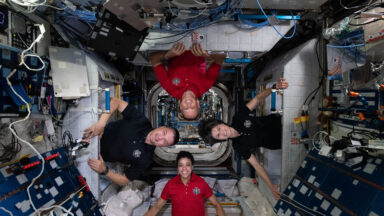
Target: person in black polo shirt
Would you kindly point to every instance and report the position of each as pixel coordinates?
(131, 140)
(248, 132)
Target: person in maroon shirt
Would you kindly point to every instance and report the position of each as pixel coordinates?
(187, 78)
(187, 191)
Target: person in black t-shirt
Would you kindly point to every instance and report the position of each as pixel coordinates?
(131, 140)
(248, 132)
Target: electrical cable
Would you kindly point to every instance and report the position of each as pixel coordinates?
(362, 24)
(24, 141)
(346, 46)
(202, 3)
(266, 16)
(215, 15)
(354, 7)
(304, 206)
(313, 93)
(29, 6)
(23, 55)
(28, 3)
(173, 41)
(7, 211)
(66, 200)
(10, 151)
(257, 25)
(169, 36)
(322, 140)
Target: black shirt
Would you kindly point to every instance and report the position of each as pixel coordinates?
(255, 132)
(124, 141)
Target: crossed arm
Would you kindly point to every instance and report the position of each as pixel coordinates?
(97, 129)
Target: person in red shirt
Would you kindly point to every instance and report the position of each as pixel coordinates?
(187, 78)
(187, 191)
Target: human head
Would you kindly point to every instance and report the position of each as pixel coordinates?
(189, 105)
(184, 161)
(163, 136)
(207, 126)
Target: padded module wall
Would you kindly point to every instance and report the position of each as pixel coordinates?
(59, 180)
(332, 188)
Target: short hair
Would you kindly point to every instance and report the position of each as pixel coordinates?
(176, 134)
(181, 117)
(205, 130)
(184, 154)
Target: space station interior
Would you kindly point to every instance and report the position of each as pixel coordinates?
(69, 67)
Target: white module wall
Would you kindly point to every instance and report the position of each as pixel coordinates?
(223, 37)
(86, 113)
(301, 69)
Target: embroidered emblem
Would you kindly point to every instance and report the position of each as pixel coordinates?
(247, 123)
(196, 190)
(176, 81)
(136, 153)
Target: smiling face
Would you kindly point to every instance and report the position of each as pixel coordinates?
(185, 167)
(189, 105)
(222, 132)
(161, 137)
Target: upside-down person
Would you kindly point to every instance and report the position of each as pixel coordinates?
(187, 77)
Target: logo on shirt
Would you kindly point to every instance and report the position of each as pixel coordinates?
(136, 153)
(247, 123)
(196, 190)
(176, 81)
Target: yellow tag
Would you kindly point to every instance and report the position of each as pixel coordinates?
(296, 120)
(38, 139)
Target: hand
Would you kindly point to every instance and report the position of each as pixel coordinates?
(177, 49)
(336, 69)
(97, 165)
(96, 129)
(275, 192)
(197, 50)
(282, 84)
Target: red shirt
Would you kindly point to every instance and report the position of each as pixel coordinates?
(187, 200)
(187, 72)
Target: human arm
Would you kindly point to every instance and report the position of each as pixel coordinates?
(157, 57)
(156, 208)
(197, 50)
(216, 204)
(264, 176)
(281, 84)
(97, 129)
(99, 167)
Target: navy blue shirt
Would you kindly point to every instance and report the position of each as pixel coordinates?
(124, 141)
(255, 132)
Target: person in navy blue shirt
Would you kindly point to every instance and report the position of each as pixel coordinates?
(248, 133)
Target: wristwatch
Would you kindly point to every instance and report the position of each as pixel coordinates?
(105, 171)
